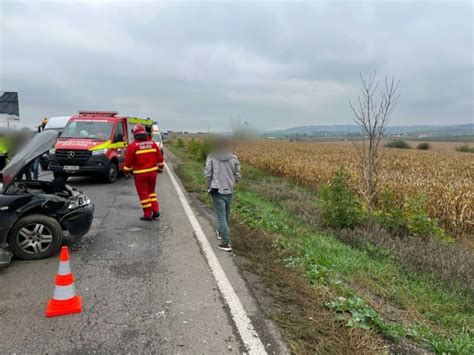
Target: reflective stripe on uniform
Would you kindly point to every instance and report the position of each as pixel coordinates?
(146, 206)
(62, 293)
(153, 199)
(145, 170)
(152, 150)
(127, 168)
(153, 194)
(64, 268)
(145, 201)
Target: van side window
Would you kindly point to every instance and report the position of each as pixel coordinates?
(119, 133)
(130, 133)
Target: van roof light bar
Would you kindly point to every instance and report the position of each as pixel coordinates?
(143, 121)
(99, 113)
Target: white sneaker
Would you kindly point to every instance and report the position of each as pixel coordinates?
(225, 247)
(218, 234)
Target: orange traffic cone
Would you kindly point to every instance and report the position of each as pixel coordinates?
(64, 301)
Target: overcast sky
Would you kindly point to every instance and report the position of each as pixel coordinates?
(191, 65)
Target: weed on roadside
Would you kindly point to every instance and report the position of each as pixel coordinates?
(449, 262)
(298, 309)
(326, 262)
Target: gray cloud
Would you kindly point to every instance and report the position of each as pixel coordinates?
(275, 65)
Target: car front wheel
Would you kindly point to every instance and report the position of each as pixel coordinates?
(35, 236)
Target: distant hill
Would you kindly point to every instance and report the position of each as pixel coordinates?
(343, 130)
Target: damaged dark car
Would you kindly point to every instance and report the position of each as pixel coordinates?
(36, 215)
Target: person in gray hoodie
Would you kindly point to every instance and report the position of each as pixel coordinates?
(222, 172)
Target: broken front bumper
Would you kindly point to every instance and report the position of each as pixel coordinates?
(79, 221)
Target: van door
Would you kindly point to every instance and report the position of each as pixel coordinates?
(120, 136)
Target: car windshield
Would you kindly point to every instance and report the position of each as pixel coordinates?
(157, 138)
(92, 129)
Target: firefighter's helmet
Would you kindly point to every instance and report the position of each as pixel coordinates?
(139, 129)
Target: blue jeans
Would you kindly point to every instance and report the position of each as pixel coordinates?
(35, 168)
(222, 209)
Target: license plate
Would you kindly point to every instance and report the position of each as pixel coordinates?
(71, 167)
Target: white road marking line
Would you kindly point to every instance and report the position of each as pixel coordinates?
(244, 325)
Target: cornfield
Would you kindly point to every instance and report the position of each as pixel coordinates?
(446, 179)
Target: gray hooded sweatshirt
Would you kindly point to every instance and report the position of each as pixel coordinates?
(222, 172)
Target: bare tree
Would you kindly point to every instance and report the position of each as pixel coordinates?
(372, 112)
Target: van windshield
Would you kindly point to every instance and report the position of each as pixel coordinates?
(88, 129)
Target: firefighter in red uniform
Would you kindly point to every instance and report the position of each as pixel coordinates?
(144, 158)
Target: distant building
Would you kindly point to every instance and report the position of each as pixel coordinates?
(9, 110)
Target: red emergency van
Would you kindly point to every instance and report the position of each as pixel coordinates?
(93, 143)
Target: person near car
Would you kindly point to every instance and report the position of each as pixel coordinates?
(3, 151)
(35, 168)
(18, 141)
(44, 122)
(31, 171)
(145, 160)
(222, 173)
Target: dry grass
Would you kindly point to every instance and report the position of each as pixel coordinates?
(446, 178)
(446, 146)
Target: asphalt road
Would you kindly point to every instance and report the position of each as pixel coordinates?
(146, 286)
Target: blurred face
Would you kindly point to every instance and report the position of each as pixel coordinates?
(224, 145)
(221, 145)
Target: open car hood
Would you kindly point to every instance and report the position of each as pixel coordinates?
(38, 145)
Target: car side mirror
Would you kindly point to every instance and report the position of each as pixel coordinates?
(119, 137)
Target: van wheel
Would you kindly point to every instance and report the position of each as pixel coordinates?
(60, 175)
(35, 236)
(112, 174)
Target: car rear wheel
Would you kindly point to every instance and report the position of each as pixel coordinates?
(35, 236)
(112, 174)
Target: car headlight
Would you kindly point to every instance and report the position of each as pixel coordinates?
(99, 151)
(52, 151)
(80, 201)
